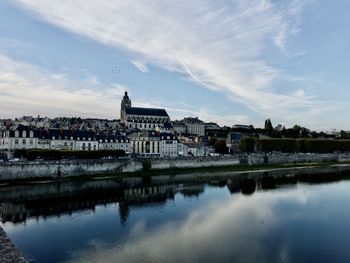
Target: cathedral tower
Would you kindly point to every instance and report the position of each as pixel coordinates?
(126, 103)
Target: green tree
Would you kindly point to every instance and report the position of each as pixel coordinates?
(344, 135)
(247, 144)
(268, 127)
(220, 147)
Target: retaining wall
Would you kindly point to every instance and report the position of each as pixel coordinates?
(65, 168)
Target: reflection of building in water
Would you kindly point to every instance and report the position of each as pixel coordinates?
(150, 194)
(21, 209)
(140, 196)
(18, 211)
(192, 191)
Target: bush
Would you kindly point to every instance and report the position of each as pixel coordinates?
(57, 155)
(20, 153)
(146, 165)
(278, 145)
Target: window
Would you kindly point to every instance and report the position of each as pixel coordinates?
(16, 141)
(24, 141)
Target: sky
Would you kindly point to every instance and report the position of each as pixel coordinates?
(226, 61)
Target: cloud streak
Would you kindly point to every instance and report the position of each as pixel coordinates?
(219, 44)
(140, 66)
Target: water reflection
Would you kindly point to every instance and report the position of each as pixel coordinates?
(18, 203)
(263, 217)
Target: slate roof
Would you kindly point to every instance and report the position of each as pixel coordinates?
(146, 112)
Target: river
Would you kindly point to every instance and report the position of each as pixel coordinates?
(289, 218)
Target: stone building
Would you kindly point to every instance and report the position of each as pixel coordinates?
(147, 119)
(232, 142)
(145, 143)
(168, 145)
(194, 126)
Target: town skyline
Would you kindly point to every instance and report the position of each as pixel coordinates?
(228, 62)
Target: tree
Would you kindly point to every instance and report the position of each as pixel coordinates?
(220, 147)
(344, 135)
(268, 127)
(247, 144)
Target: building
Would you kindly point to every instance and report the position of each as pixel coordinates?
(242, 126)
(195, 149)
(211, 126)
(145, 144)
(20, 137)
(25, 137)
(232, 141)
(179, 127)
(194, 126)
(147, 119)
(126, 103)
(114, 142)
(168, 145)
(182, 149)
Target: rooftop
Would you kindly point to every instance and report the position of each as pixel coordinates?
(146, 111)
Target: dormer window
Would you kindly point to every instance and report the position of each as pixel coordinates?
(24, 134)
(31, 134)
(16, 134)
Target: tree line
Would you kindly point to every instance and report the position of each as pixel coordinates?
(292, 145)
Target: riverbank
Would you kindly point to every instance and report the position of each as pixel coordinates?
(28, 171)
(189, 173)
(8, 252)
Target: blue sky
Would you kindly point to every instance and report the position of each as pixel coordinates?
(224, 61)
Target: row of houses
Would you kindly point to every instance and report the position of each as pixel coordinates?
(144, 143)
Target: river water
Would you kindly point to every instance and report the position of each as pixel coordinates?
(291, 218)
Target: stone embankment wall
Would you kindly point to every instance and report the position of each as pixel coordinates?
(183, 162)
(63, 168)
(8, 252)
(67, 168)
(256, 159)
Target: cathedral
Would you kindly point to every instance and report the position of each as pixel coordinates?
(142, 118)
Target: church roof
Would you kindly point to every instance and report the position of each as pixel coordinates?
(146, 112)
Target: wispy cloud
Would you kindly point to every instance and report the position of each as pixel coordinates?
(220, 44)
(26, 89)
(140, 66)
